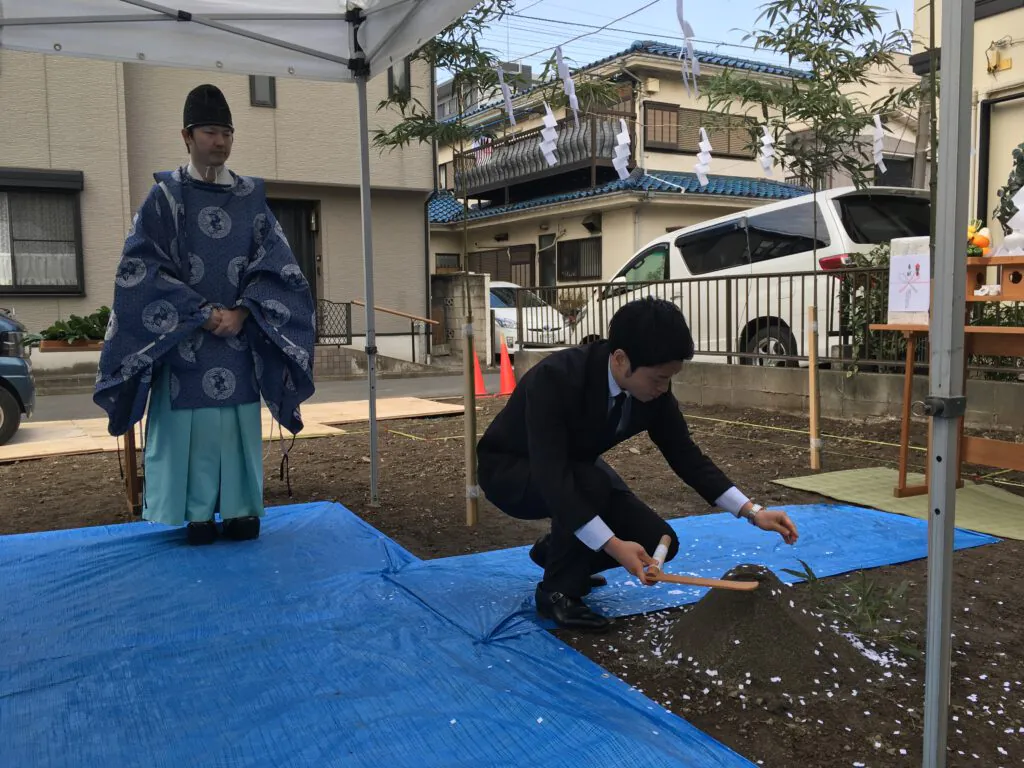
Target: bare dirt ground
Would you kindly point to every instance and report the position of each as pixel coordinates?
(784, 694)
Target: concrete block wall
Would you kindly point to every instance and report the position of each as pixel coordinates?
(995, 405)
(448, 303)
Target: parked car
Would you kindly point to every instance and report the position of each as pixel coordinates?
(721, 267)
(543, 325)
(17, 387)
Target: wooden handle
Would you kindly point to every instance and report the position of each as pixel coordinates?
(698, 581)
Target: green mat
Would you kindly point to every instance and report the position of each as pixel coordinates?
(979, 507)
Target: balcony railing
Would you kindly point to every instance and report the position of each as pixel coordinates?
(518, 158)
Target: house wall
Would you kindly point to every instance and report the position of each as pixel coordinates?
(625, 228)
(311, 136)
(399, 269)
(58, 113)
(119, 123)
(1005, 131)
(1007, 119)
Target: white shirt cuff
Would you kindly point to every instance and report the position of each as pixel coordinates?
(595, 534)
(732, 501)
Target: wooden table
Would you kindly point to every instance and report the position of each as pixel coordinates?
(992, 341)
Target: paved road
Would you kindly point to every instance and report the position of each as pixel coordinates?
(62, 407)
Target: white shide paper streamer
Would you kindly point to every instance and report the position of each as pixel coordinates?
(549, 136)
(568, 85)
(687, 60)
(620, 160)
(767, 151)
(877, 145)
(507, 94)
(703, 159)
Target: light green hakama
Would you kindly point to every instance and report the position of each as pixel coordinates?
(201, 461)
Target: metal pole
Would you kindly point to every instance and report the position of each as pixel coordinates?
(946, 403)
(371, 337)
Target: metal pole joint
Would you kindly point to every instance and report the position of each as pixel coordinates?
(938, 407)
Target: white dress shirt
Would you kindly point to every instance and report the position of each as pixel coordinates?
(596, 533)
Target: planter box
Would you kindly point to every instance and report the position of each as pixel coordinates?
(82, 345)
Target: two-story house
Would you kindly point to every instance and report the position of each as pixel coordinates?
(577, 221)
(82, 139)
(998, 103)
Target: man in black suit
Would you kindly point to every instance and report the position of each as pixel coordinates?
(541, 457)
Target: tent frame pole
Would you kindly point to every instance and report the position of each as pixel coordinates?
(360, 69)
(946, 403)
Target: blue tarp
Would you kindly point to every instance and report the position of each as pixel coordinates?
(324, 643)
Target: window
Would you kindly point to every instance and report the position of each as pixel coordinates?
(661, 126)
(899, 172)
(648, 267)
(262, 91)
(711, 250)
(505, 298)
(673, 129)
(399, 78)
(785, 232)
(872, 219)
(446, 262)
(40, 232)
(579, 259)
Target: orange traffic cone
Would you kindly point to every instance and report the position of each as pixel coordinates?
(481, 388)
(508, 378)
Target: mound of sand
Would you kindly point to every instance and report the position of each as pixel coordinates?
(760, 641)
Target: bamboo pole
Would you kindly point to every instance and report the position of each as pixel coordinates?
(812, 386)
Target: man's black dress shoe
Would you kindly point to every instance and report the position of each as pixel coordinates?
(539, 555)
(242, 528)
(568, 612)
(198, 534)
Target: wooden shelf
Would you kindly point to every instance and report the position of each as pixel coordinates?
(995, 261)
(981, 330)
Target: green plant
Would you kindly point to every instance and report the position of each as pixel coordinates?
(862, 606)
(864, 299)
(76, 328)
(821, 123)
(1006, 210)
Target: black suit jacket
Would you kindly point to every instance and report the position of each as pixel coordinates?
(557, 416)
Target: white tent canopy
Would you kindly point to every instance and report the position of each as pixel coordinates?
(335, 40)
(306, 39)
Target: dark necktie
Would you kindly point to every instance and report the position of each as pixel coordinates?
(615, 415)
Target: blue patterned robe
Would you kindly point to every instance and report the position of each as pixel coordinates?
(194, 246)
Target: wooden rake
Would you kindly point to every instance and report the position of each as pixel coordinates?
(655, 573)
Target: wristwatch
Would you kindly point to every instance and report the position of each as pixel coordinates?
(751, 514)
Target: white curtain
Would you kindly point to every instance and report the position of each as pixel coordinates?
(6, 273)
(42, 241)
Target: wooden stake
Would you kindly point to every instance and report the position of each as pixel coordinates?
(812, 385)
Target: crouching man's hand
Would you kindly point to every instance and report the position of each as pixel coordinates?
(630, 555)
(775, 520)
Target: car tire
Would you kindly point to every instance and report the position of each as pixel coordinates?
(772, 339)
(10, 415)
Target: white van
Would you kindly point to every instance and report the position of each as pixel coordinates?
(741, 279)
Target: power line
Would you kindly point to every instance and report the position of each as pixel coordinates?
(643, 7)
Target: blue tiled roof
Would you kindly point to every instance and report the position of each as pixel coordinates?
(445, 209)
(656, 48)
